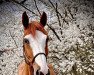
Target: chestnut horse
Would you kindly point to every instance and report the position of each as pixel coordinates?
(35, 48)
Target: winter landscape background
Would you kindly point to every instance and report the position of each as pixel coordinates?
(70, 27)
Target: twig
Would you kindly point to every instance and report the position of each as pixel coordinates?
(57, 14)
(52, 4)
(66, 13)
(46, 4)
(54, 32)
(70, 12)
(37, 7)
(25, 7)
(22, 2)
(13, 39)
(58, 17)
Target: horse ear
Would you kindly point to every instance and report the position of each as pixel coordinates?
(43, 19)
(25, 20)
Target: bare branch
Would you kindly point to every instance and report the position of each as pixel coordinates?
(52, 4)
(13, 39)
(54, 32)
(22, 2)
(37, 7)
(70, 12)
(25, 7)
(57, 14)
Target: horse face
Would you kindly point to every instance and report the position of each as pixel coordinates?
(35, 41)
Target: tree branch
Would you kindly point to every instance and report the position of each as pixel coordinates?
(22, 2)
(13, 39)
(25, 7)
(37, 7)
(54, 32)
(58, 12)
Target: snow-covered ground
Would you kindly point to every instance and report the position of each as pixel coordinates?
(77, 37)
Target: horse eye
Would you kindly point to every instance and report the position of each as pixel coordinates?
(26, 41)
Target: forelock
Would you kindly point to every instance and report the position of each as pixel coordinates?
(36, 26)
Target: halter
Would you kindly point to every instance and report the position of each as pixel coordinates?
(27, 59)
(38, 55)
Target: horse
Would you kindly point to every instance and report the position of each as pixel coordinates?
(35, 48)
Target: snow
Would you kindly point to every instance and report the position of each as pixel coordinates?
(62, 55)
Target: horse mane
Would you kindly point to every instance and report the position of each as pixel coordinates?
(34, 25)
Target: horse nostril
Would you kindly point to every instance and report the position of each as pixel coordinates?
(48, 72)
(37, 72)
(41, 73)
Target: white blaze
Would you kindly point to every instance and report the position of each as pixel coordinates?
(37, 44)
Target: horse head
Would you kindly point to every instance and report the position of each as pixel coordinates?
(35, 43)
